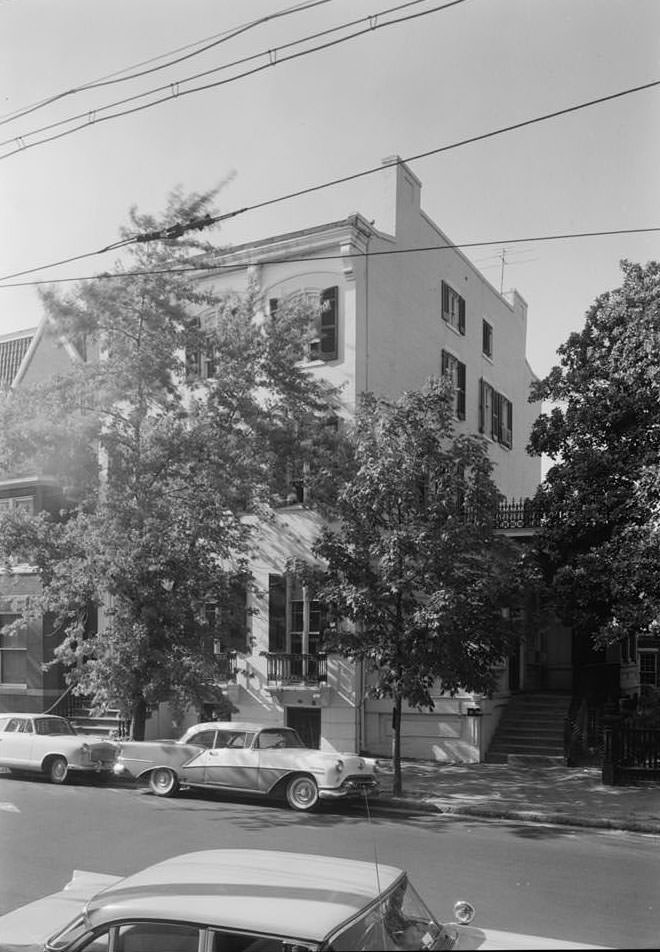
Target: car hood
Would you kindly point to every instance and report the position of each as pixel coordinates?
(27, 928)
(470, 937)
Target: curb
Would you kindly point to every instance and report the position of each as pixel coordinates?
(526, 816)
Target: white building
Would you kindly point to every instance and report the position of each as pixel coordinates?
(399, 304)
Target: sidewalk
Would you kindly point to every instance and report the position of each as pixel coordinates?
(571, 796)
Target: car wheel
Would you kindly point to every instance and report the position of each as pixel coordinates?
(163, 782)
(57, 770)
(302, 793)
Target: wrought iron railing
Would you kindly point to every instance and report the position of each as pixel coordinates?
(630, 753)
(521, 514)
(297, 668)
(226, 666)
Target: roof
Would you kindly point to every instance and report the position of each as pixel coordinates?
(13, 348)
(289, 894)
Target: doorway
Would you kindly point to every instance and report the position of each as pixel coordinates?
(307, 721)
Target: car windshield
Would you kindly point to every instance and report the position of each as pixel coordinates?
(52, 725)
(400, 920)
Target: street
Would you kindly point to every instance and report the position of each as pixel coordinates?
(588, 886)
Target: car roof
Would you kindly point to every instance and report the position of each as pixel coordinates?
(235, 726)
(57, 717)
(295, 895)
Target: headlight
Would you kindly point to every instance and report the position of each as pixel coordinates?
(339, 766)
(464, 912)
(84, 748)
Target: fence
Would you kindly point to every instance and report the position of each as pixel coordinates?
(630, 754)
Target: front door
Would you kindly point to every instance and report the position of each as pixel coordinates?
(307, 721)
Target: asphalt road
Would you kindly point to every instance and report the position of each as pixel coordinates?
(580, 885)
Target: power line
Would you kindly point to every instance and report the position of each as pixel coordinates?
(206, 267)
(272, 58)
(215, 219)
(123, 75)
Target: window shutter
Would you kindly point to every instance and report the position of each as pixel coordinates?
(460, 390)
(276, 613)
(445, 301)
(444, 362)
(482, 408)
(329, 324)
(496, 417)
(461, 315)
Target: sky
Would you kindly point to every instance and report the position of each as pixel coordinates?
(408, 88)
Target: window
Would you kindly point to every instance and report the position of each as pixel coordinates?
(13, 653)
(486, 339)
(453, 308)
(295, 620)
(325, 340)
(495, 415)
(452, 367)
(228, 625)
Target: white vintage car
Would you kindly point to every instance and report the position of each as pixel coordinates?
(237, 900)
(49, 745)
(248, 758)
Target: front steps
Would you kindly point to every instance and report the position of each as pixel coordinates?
(531, 730)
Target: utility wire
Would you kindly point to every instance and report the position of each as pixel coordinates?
(210, 220)
(451, 246)
(272, 58)
(123, 75)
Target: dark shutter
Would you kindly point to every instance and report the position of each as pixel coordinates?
(233, 618)
(445, 301)
(461, 315)
(276, 613)
(329, 324)
(496, 430)
(444, 362)
(482, 406)
(273, 304)
(460, 390)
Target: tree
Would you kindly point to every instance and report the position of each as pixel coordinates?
(162, 465)
(414, 565)
(598, 540)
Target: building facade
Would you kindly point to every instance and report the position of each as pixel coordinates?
(398, 304)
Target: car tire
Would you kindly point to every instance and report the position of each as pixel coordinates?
(163, 782)
(302, 793)
(57, 769)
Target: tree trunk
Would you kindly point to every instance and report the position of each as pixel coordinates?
(397, 785)
(138, 719)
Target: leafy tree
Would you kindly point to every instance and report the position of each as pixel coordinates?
(599, 539)
(414, 564)
(161, 464)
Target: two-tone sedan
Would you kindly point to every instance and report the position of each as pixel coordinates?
(250, 759)
(238, 900)
(49, 745)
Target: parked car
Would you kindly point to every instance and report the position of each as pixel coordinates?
(237, 900)
(248, 758)
(46, 744)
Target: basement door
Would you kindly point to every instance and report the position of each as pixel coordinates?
(307, 721)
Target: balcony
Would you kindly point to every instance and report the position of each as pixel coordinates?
(226, 666)
(297, 669)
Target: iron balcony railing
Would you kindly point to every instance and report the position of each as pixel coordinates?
(297, 668)
(520, 514)
(226, 666)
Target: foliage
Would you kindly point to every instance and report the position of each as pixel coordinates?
(600, 501)
(413, 564)
(159, 465)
